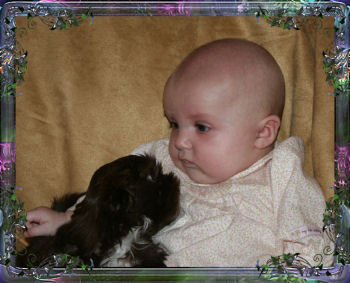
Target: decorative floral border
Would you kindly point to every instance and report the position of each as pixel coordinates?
(286, 15)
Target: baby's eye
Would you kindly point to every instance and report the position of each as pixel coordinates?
(173, 125)
(202, 128)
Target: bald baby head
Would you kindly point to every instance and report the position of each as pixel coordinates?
(223, 102)
(252, 72)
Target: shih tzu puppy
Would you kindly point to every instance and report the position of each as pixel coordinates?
(127, 202)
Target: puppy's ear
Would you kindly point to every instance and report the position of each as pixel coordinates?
(168, 199)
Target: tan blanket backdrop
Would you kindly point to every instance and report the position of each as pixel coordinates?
(94, 92)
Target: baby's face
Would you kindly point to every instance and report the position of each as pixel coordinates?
(212, 134)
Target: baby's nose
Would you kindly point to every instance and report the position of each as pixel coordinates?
(183, 141)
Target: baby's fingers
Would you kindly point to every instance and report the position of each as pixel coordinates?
(38, 215)
(34, 230)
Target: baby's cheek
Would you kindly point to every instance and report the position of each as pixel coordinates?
(214, 165)
(208, 162)
(173, 154)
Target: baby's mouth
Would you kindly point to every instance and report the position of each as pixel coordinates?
(187, 163)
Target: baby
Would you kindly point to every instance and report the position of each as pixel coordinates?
(244, 196)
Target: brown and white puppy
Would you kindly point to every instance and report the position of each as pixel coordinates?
(128, 201)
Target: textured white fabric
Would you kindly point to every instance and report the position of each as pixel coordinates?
(271, 208)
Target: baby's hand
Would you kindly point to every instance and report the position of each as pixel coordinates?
(43, 221)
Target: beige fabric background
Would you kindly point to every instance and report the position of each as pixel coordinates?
(93, 93)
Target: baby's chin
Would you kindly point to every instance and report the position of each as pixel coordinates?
(203, 180)
(197, 175)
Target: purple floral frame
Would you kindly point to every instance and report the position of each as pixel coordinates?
(11, 58)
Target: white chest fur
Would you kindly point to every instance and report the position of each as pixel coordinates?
(122, 255)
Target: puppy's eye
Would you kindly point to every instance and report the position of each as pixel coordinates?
(149, 178)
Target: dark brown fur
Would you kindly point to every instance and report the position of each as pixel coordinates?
(120, 194)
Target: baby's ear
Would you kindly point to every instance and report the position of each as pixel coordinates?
(267, 131)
